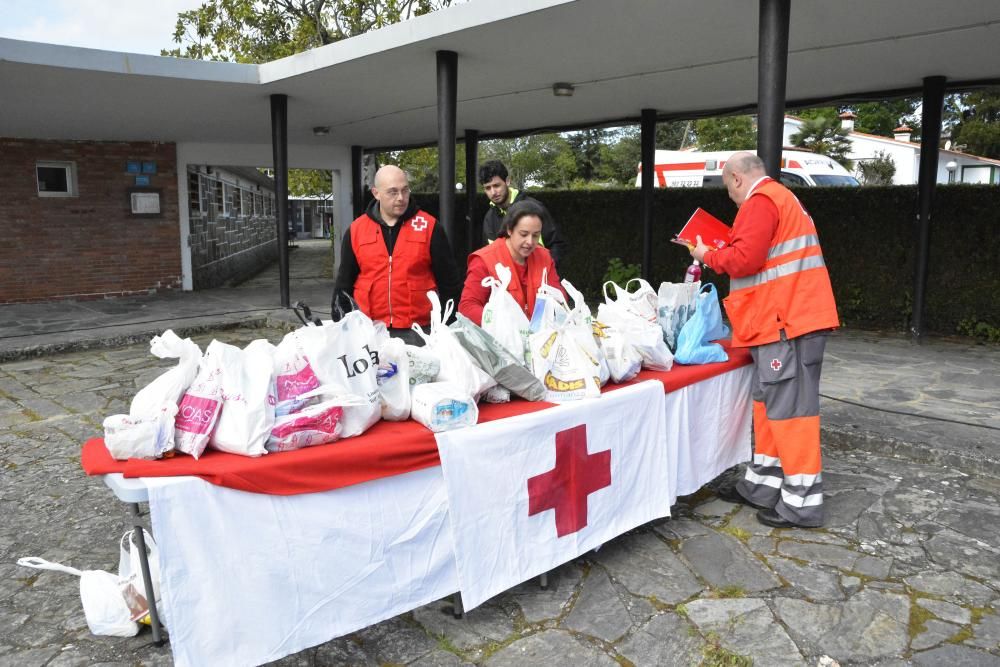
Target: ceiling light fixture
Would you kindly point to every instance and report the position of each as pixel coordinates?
(562, 89)
(321, 130)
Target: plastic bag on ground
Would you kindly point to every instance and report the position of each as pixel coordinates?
(130, 573)
(248, 400)
(502, 316)
(104, 602)
(694, 344)
(494, 358)
(443, 406)
(457, 366)
(676, 303)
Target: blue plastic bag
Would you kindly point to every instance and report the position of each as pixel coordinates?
(694, 344)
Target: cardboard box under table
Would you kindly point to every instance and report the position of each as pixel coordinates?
(264, 557)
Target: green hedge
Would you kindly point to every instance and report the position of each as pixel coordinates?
(869, 238)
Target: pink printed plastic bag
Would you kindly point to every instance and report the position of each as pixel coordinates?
(199, 407)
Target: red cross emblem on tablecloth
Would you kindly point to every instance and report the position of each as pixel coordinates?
(575, 476)
(419, 223)
(775, 365)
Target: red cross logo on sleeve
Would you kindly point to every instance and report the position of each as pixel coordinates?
(419, 223)
(775, 365)
(575, 476)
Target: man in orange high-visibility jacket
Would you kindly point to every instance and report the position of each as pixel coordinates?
(781, 306)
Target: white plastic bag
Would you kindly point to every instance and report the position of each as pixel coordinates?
(248, 400)
(318, 422)
(457, 366)
(502, 316)
(344, 355)
(104, 604)
(641, 302)
(394, 379)
(130, 572)
(564, 367)
(676, 303)
(424, 365)
(645, 336)
(582, 326)
(147, 431)
(198, 409)
(623, 360)
(550, 310)
(443, 406)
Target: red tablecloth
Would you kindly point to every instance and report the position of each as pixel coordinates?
(386, 449)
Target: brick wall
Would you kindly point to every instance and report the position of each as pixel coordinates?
(90, 245)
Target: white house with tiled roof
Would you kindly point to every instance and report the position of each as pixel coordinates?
(953, 166)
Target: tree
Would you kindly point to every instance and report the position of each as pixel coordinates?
(304, 182)
(883, 117)
(586, 147)
(825, 136)
(978, 130)
(729, 133)
(259, 31)
(878, 170)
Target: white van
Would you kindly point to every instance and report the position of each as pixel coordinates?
(694, 169)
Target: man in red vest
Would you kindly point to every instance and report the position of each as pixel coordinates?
(781, 306)
(392, 255)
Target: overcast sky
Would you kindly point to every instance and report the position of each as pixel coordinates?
(133, 26)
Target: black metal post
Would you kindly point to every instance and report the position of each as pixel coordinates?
(473, 225)
(447, 100)
(357, 176)
(648, 153)
(772, 68)
(930, 137)
(279, 146)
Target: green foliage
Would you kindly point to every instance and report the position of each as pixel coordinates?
(878, 170)
(302, 182)
(978, 129)
(259, 31)
(973, 327)
(729, 133)
(824, 135)
(620, 273)
(883, 117)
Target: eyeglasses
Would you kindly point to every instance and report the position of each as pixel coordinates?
(394, 193)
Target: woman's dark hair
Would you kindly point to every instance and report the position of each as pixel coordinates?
(519, 210)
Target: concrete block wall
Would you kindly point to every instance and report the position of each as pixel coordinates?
(90, 245)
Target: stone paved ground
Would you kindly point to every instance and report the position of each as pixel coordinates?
(907, 570)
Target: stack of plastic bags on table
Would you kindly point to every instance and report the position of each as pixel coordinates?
(632, 331)
(694, 342)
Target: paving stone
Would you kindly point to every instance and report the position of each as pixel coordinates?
(745, 520)
(762, 545)
(953, 585)
(646, 566)
(934, 633)
(35, 656)
(714, 507)
(599, 611)
(870, 625)
(681, 528)
(439, 659)
(954, 551)
(551, 647)
(746, 627)
(667, 639)
(870, 566)
(845, 507)
(955, 655)
(978, 523)
(395, 641)
(539, 604)
(724, 562)
(474, 630)
(810, 581)
(825, 554)
(946, 611)
(851, 585)
(986, 633)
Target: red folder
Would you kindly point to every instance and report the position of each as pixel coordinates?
(713, 232)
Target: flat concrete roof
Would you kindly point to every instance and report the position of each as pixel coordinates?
(684, 58)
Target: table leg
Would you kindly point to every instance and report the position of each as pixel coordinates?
(457, 610)
(147, 579)
(543, 581)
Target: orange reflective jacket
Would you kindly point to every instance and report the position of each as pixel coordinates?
(394, 288)
(538, 262)
(792, 291)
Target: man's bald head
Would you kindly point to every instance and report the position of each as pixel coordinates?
(742, 170)
(392, 190)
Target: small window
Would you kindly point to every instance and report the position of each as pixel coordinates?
(788, 178)
(56, 179)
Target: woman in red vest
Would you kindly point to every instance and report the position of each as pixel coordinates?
(516, 248)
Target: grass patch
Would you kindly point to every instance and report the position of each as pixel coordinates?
(730, 592)
(741, 534)
(715, 655)
(918, 620)
(681, 610)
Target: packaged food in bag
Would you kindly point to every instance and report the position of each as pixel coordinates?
(676, 303)
(443, 406)
(497, 361)
(502, 316)
(394, 379)
(457, 366)
(247, 412)
(564, 367)
(199, 407)
(319, 422)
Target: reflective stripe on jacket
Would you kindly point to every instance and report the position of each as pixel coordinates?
(792, 291)
(394, 288)
(538, 262)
